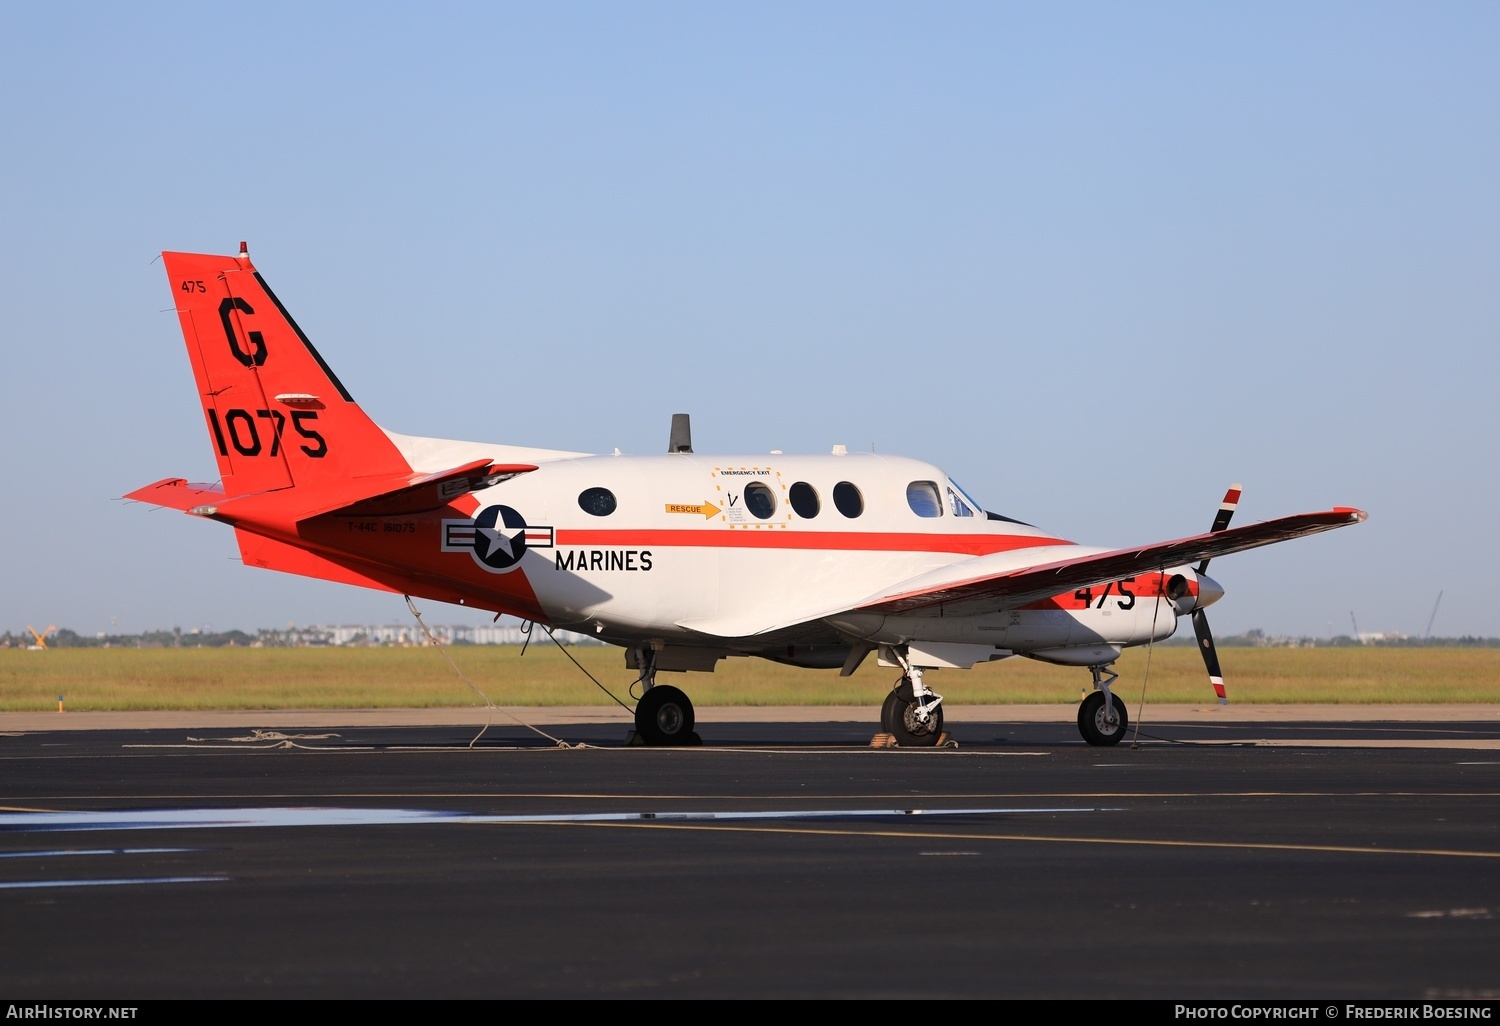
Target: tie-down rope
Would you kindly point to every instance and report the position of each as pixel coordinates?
(489, 706)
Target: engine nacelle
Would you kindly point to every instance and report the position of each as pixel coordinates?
(1188, 590)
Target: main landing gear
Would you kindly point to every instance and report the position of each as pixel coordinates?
(913, 712)
(663, 715)
(1101, 716)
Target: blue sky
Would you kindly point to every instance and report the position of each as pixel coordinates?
(1096, 260)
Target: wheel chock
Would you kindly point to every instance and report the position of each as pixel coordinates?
(889, 741)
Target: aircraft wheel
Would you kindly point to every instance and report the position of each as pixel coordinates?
(904, 725)
(664, 716)
(1093, 724)
(890, 712)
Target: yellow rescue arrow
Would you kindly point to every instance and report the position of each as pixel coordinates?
(708, 509)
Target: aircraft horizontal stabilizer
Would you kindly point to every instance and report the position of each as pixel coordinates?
(1012, 586)
(385, 496)
(177, 493)
(426, 492)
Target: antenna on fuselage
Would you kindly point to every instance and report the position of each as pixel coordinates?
(682, 434)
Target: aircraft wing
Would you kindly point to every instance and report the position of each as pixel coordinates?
(999, 580)
(1008, 585)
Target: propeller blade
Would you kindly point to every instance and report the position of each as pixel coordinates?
(1221, 518)
(1210, 655)
(1200, 618)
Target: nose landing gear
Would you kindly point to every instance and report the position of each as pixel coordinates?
(900, 717)
(912, 713)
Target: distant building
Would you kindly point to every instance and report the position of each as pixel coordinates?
(404, 635)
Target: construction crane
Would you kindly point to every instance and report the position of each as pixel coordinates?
(1433, 616)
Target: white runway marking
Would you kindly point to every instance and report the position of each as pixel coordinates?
(125, 882)
(182, 819)
(61, 852)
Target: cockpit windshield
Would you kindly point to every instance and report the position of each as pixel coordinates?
(957, 504)
(962, 504)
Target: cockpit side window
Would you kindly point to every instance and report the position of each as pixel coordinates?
(924, 499)
(957, 506)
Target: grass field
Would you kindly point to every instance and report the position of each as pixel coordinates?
(371, 678)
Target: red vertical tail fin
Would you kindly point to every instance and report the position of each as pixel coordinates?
(277, 415)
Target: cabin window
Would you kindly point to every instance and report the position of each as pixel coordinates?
(760, 500)
(847, 500)
(804, 500)
(598, 502)
(922, 497)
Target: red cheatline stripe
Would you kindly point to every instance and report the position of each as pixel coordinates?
(1143, 587)
(967, 544)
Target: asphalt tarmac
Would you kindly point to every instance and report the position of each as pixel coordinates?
(1254, 852)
